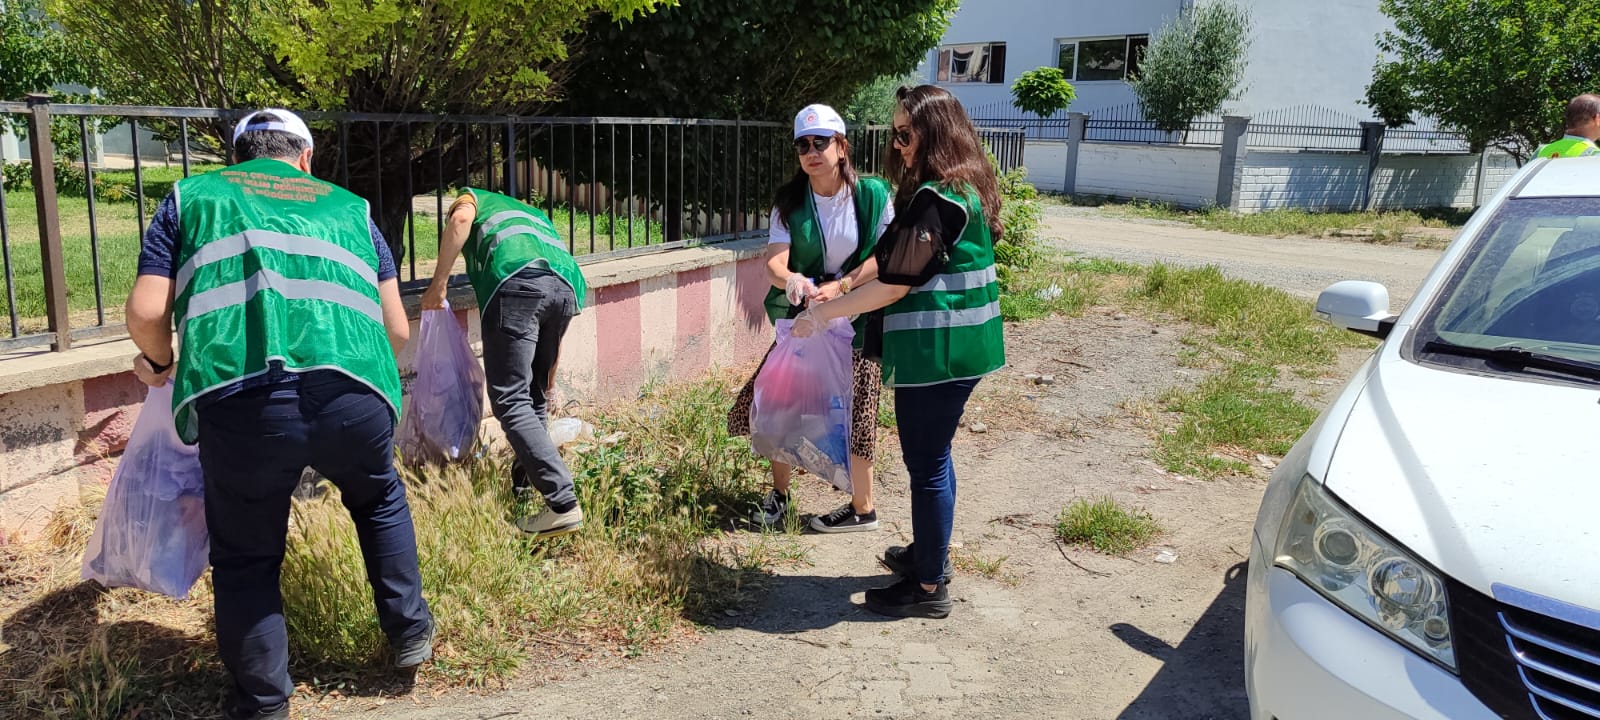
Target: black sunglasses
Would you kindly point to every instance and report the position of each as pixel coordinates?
(902, 138)
(804, 145)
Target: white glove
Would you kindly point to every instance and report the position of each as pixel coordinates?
(806, 324)
(798, 288)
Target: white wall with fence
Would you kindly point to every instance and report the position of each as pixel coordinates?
(1243, 167)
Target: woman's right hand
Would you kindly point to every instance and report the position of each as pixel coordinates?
(798, 288)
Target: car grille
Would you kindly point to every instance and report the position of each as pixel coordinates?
(1524, 664)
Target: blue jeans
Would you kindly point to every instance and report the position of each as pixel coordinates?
(253, 447)
(927, 418)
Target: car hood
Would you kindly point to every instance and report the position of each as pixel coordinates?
(1493, 480)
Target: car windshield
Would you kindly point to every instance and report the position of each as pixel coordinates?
(1530, 281)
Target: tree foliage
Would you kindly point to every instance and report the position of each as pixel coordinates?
(1498, 71)
(423, 56)
(752, 59)
(1194, 65)
(1042, 91)
(873, 103)
(35, 55)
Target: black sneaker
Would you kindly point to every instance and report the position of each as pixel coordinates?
(413, 652)
(907, 599)
(845, 520)
(281, 712)
(772, 511)
(899, 561)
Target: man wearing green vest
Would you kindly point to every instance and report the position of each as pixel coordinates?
(528, 289)
(288, 317)
(1583, 129)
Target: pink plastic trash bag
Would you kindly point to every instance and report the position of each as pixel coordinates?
(152, 528)
(801, 414)
(441, 417)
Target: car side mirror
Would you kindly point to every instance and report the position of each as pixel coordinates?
(1358, 306)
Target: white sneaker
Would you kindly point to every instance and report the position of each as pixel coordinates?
(551, 523)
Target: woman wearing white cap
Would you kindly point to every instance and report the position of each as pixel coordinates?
(826, 221)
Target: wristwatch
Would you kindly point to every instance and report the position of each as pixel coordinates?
(159, 368)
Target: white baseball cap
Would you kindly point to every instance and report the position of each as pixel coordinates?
(285, 122)
(818, 120)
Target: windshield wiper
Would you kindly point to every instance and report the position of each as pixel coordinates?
(1516, 357)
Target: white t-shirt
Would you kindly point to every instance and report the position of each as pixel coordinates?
(837, 215)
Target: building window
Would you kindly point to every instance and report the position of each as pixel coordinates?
(1091, 59)
(974, 63)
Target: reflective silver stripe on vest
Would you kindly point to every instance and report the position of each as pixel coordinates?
(514, 231)
(960, 282)
(240, 243)
(505, 215)
(239, 293)
(937, 319)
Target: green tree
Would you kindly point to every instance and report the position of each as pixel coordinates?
(873, 103)
(425, 56)
(35, 55)
(1194, 65)
(1042, 91)
(751, 59)
(1498, 71)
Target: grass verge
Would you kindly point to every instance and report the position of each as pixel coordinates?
(1106, 526)
(651, 563)
(1380, 227)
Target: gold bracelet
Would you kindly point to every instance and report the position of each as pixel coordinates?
(844, 285)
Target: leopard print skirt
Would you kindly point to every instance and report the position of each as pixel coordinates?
(864, 406)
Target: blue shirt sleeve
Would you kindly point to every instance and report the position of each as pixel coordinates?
(159, 253)
(386, 266)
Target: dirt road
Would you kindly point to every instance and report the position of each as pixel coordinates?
(1057, 632)
(1302, 266)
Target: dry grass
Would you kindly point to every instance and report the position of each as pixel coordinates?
(652, 563)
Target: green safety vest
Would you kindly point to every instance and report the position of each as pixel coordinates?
(871, 196)
(1568, 147)
(949, 328)
(509, 235)
(274, 265)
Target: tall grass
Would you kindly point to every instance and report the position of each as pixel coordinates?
(632, 576)
(651, 562)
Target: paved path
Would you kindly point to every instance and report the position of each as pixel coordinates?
(1302, 266)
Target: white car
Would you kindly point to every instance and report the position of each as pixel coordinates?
(1431, 547)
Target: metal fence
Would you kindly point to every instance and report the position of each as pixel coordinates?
(1306, 127)
(612, 186)
(870, 146)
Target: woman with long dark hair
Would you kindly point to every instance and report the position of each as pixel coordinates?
(825, 225)
(939, 330)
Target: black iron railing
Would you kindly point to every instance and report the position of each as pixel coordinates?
(612, 186)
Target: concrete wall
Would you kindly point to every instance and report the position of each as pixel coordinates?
(1046, 162)
(1310, 53)
(1334, 181)
(1180, 175)
(669, 316)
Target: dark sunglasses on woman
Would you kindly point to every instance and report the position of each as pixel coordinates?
(902, 138)
(804, 145)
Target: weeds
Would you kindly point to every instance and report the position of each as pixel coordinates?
(1106, 526)
(651, 561)
(1228, 419)
(1050, 287)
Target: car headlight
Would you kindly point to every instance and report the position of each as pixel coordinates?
(1364, 572)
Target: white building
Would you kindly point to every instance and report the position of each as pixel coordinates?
(1304, 53)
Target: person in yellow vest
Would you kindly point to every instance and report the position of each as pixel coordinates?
(288, 320)
(528, 289)
(941, 330)
(825, 224)
(1583, 129)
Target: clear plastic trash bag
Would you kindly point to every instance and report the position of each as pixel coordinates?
(151, 533)
(441, 417)
(801, 413)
